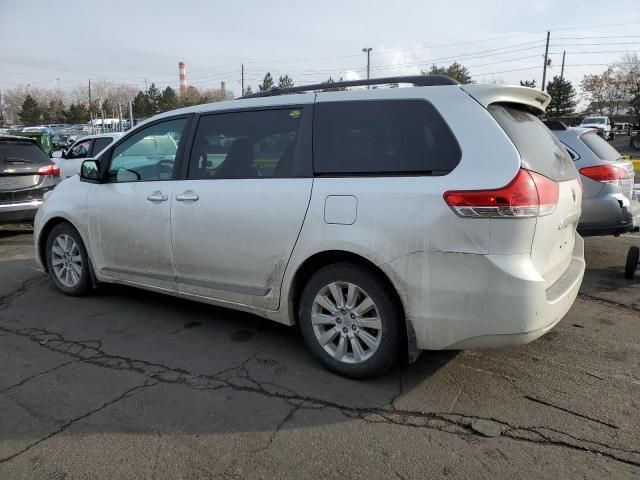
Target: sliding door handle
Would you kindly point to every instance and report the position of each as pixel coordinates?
(157, 196)
(188, 196)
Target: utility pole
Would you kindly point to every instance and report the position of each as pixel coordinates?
(90, 114)
(130, 115)
(242, 75)
(120, 116)
(546, 59)
(367, 50)
(562, 70)
(102, 112)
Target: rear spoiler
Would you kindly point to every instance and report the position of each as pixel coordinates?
(488, 94)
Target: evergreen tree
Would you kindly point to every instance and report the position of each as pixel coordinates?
(285, 82)
(562, 97)
(248, 90)
(456, 71)
(54, 113)
(169, 100)
(267, 83)
(153, 99)
(528, 83)
(30, 113)
(77, 113)
(141, 105)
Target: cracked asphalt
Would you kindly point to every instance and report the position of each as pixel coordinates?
(130, 384)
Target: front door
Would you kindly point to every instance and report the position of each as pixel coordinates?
(237, 216)
(129, 216)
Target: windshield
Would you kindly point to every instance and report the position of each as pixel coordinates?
(591, 120)
(599, 146)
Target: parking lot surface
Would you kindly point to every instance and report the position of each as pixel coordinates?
(130, 384)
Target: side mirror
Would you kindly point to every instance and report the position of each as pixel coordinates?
(90, 171)
(57, 154)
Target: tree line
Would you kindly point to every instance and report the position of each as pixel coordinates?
(614, 91)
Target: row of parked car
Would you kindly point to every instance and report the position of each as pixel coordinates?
(442, 216)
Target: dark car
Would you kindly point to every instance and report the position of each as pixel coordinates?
(26, 174)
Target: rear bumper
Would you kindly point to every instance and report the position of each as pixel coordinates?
(610, 215)
(19, 212)
(463, 301)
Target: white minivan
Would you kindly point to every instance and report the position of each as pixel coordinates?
(441, 216)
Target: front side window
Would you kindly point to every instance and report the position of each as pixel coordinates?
(100, 144)
(382, 137)
(80, 150)
(148, 154)
(250, 144)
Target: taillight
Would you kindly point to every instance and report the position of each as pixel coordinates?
(606, 174)
(528, 195)
(50, 169)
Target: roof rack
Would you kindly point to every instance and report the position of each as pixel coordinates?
(416, 80)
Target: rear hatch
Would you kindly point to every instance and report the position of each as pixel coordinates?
(20, 161)
(541, 152)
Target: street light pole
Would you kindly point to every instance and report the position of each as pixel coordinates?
(367, 50)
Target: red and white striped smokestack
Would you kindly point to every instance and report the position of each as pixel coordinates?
(183, 77)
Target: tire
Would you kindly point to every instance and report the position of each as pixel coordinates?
(365, 297)
(635, 140)
(632, 262)
(71, 273)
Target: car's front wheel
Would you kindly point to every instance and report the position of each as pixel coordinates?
(67, 261)
(350, 320)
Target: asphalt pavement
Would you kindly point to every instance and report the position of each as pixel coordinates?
(131, 384)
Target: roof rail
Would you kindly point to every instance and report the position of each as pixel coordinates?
(416, 80)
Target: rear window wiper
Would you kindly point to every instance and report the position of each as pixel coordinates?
(18, 160)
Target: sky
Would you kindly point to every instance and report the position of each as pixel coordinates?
(61, 44)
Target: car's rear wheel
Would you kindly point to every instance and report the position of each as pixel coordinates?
(632, 262)
(67, 261)
(350, 320)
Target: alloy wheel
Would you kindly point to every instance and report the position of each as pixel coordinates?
(66, 260)
(346, 322)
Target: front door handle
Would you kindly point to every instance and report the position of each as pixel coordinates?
(157, 196)
(188, 196)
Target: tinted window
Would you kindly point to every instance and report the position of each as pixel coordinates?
(17, 150)
(149, 154)
(246, 145)
(382, 137)
(100, 144)
(599, 146)
(539, 149)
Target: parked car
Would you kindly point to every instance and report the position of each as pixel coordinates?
(602, 126)
(26, 174)
(436, 217)
(60, 141)
(70, 160)
(609, 204)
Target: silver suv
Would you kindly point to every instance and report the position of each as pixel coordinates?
(609, 204)
(436, 217)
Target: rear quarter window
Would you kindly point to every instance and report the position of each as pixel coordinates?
(599, 146)
(539, 148)
(387, 137)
